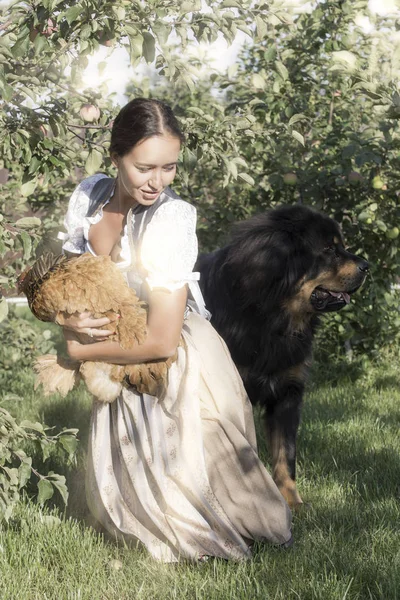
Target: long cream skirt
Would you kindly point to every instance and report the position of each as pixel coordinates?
(181, 474)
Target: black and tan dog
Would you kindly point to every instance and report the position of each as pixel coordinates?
(266, 290)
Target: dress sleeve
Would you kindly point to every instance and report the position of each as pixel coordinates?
(169, 246)
(75, 221)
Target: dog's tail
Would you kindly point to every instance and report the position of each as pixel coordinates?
(56, 374)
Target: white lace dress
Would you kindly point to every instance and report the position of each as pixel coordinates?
(180, 475)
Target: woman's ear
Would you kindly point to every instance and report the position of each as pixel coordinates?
(114, 159)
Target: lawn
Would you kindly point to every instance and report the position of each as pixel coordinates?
(347, 542)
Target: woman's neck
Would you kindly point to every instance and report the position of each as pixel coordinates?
(121, 199)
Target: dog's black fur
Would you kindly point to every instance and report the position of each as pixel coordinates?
(266, 290)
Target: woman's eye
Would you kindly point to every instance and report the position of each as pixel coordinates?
(169, 168)
(143, 170)
(330, 249)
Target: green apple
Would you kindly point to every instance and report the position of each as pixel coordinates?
(290, 178)
(393, 233)
(377, 183)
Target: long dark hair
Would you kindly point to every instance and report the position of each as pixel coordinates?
(140, 119)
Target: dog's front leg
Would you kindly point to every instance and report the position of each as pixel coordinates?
(282, 419)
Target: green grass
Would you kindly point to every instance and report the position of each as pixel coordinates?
(347, 543)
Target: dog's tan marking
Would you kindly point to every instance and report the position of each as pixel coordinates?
(299, 305)
(280, 471)
(298, 372)
(348, 270)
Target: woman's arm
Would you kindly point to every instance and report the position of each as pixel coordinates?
(164, 326)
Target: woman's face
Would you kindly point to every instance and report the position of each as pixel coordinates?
(147, 169)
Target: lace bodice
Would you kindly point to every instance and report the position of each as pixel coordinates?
(169, 243)
(168, 249)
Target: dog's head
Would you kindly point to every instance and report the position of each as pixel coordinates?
(295, 256)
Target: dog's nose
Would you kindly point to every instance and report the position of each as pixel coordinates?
(363, 266)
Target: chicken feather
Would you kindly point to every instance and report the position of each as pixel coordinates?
(57, 287)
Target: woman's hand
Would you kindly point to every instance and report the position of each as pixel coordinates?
(73, 344)
(86, 324)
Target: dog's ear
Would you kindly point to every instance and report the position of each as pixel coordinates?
(266, 263)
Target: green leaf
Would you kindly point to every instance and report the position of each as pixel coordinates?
(247, 178)
(232, 70)
(27, 244)
(120, 12)
(21, 47)
(28, 92)
(12, 475)
(135, 48)
(46, 490)
(54, 126)
(258, 81)
(34, 165)
(296, 118)
(84, 34)
(346, 58)
(73, 13)
(93, 161)
(28, 222)
(162, 31)
(297, 136)
(3, 309)
(189, 81)
(6, 92)
(196, 110)
(189, 6)
(31, 425)
(69, 443)
(282, 70)
(72, 430)
(59, 482)
(28, 187)
(149, 47)
(189, 158)
(45, 447)
(40, 44)
(261, 26)
(25, 471)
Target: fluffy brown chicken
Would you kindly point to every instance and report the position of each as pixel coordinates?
(57, 286)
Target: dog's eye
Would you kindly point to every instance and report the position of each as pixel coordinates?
(330, 249)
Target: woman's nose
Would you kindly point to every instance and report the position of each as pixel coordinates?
(155, 179)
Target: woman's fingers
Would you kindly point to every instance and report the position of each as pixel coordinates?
(94, 323)
(99, 334)
(83, 322)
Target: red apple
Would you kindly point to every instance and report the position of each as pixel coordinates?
(89, 112)
(105, 40)
(33, 34)
(354, 177)
(3, 176)
(49, 29)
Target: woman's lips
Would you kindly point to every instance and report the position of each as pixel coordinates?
(150, 194)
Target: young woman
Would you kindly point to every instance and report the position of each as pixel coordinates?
(180, 474)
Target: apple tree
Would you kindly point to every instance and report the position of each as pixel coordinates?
(323, 99)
